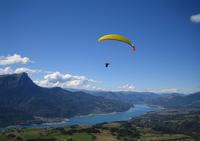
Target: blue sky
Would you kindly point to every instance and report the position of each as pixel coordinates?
(61, 36)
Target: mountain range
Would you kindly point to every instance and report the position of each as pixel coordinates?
(21, 100)
(168, 100)
(24, 102)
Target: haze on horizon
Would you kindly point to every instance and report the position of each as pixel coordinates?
(56, 43)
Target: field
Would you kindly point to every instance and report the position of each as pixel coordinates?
(43, 135)
(104, 132)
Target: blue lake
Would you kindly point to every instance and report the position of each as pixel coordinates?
(137, 110)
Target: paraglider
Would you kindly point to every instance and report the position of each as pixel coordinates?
(117, 38)
(107, 64)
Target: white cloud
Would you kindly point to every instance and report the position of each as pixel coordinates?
(195, 18)
(6, 70)
(127, 87)
(14, 59)
(27, 70)
(165, 90)
(57, 79)
(169, 90)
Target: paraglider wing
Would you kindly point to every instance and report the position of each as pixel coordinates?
(117, 38)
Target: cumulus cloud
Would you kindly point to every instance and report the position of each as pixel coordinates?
(27, 70)
(8, 70)
(14, 59)
(127, 87)
(195, 18)
(57, 79)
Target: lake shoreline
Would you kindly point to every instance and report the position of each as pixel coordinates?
(91, 119)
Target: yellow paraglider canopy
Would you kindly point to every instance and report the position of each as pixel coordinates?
(117, 38)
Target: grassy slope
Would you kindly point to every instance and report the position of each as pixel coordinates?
(80, 135)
